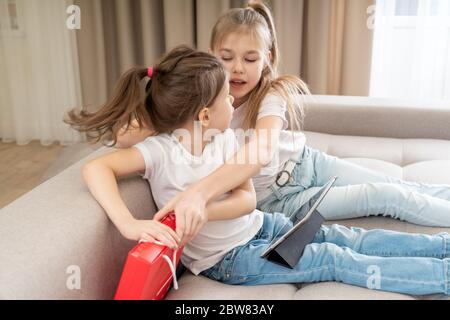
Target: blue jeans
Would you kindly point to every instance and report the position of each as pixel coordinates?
(359, 192)
(376, 259)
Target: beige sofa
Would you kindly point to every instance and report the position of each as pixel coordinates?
(57, 234)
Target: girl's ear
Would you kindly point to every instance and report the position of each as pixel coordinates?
(269, 56)
(210, 51)
(203, 117)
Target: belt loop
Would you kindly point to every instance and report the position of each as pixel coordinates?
(285, 173)
(276, 192)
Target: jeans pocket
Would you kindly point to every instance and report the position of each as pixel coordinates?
(259, 234)
(208, 272)
(217, 272)
(223, 269)
(303, 173)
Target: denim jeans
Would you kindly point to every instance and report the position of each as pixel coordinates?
(359, 192)
(376, 259)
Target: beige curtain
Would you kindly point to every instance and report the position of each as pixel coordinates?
(39, 78)
(117, 34)
(326, 42)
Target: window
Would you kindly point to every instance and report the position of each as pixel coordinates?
(411, 50)
(406, 7)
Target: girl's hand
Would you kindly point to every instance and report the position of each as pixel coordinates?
(190, 212)
(149, 231)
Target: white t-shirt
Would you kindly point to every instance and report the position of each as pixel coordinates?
(291, 142)
(170, 169)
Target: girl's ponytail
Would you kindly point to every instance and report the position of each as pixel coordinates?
(263, 10)
(125, 105)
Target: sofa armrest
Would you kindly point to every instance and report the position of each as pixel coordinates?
(58, 229)
(377, 117)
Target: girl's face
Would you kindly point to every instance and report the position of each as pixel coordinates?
(244, 58)
(221, 111)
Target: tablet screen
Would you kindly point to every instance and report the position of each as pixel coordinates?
(300, 217)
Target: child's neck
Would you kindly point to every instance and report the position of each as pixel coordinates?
(196, 141)
(240, 101)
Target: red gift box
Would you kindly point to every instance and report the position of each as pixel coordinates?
(147, 274)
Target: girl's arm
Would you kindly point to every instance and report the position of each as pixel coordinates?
(241, 201)
(100, 176)
(129, 137)
(233, 173)
(263, 144)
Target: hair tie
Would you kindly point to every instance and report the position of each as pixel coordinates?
(150, 72)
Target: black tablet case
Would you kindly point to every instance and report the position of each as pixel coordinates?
(289, 252)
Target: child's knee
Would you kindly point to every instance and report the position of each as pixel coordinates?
(389, 192)
(321, 254)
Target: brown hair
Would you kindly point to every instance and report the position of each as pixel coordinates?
(257, 20)
(183, 82)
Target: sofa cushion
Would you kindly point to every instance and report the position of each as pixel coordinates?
(193, 287)
(401, 152)
(342, 291)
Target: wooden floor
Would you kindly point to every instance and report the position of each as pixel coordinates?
(21, 167)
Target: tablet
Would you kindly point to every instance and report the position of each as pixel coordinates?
(314, 202)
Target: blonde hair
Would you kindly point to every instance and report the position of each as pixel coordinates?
(257, 20)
